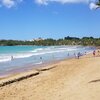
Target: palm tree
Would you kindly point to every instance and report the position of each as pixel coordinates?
(94, 5)
(98, 4)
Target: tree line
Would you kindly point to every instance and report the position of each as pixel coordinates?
(85, 41)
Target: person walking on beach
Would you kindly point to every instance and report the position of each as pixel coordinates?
(98, 53)
(78, 55)
(94, 53)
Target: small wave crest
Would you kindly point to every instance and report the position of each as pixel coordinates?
(36, 50)
(6, 58)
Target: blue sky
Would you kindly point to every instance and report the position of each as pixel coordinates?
(27, 19)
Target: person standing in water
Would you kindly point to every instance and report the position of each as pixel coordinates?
(68, 54)
(12, 57)
(94, 53)
(41, 59)
(75, 55)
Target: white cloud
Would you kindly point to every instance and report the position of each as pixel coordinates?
(92, 3)
(45, 2)
(9, 3)
(12, 3)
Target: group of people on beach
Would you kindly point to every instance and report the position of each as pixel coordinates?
(76, 55)
(96, 53)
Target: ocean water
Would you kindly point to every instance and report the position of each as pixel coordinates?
(20, 57)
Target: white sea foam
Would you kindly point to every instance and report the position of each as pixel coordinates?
(54, 49)
(8, 57)
(38, 63)
(36, 50)
(5, 59)
(22, 55)
(39, 51)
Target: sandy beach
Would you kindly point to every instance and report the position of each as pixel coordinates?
(71, 79)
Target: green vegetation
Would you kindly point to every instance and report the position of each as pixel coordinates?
(86, 41)
(98, 3)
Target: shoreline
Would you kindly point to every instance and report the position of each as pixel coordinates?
(29, 68)
(25, 63)
(16, 75)
(11, 77)
(72, 79)
(36, 67)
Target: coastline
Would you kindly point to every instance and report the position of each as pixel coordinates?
(35, 56)
(72, 78)
(22, 72)
(28, 68)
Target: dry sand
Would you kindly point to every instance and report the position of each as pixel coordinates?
(73, 79)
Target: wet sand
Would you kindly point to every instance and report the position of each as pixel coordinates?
(73, 79)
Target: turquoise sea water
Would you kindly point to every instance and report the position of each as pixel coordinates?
(19, 57)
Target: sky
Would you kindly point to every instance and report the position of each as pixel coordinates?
(28, 19)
